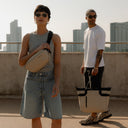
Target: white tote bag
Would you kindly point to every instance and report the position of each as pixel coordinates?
(91, 100)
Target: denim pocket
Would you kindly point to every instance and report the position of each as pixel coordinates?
(30, 76)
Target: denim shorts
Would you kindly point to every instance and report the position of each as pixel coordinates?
(38, 88)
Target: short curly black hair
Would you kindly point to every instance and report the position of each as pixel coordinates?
(42, 8)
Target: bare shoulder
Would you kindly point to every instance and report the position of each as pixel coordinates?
(26, 37)
(56, 39)
(25, 40)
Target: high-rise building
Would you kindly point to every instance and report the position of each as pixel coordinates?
(78, 37)
(69, 47)
(14, 36)
(119, 33)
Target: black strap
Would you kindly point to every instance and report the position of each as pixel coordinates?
(50, 34)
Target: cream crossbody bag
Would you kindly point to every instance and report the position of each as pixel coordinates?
(40, 59)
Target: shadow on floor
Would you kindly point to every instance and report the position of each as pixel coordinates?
(103, 124)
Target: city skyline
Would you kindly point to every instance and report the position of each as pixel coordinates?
(65, 15)
(118, 33)
(78, 36)
(14, 36)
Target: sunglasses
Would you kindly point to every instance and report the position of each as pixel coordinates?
(38, 15)
(90, 16)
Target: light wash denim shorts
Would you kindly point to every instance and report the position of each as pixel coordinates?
(38, 88)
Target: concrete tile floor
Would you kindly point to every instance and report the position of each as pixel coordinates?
(10, 117)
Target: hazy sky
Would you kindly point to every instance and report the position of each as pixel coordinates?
(66, 15)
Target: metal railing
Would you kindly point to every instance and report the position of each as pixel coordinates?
(10, 47)
(109, 47)
(67, 47)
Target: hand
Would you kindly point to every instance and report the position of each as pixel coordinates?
(82, 69)
(55, 90)
(43, 46)
(94, 71)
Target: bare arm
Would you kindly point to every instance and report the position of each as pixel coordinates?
(98, 59)
(82, 67)
(57, 58)
(57, 63)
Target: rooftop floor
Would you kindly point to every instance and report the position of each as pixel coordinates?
(10, 117)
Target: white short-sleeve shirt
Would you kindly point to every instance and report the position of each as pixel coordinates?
(94, 40)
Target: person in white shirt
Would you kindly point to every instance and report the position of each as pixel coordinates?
(93, 63)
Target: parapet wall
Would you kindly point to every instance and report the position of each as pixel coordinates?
(115, 74)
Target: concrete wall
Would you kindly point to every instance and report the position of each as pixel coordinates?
(115, 74)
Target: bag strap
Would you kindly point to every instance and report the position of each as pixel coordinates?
(89, 84)
(50, 34)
